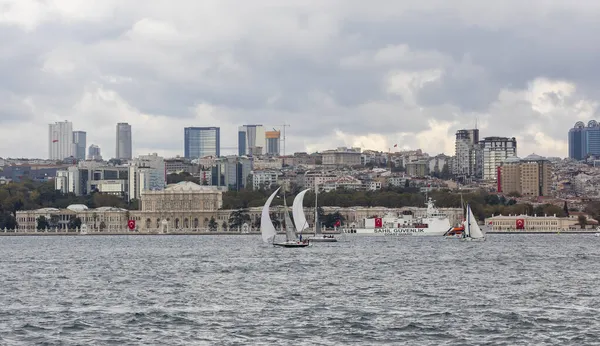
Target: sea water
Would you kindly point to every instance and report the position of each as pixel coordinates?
(234, 290)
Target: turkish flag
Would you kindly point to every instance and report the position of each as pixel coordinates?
(378, 222)
(520, 224)
(131, 224)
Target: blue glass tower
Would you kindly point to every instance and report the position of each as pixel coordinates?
(201, 142)
(584, 141)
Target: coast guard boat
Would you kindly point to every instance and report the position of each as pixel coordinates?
(435, 223)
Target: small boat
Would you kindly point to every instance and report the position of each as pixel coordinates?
(472, 231)
(269, 232)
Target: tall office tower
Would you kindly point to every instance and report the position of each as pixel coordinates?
(469, 154)
(201, 142)
(584, 141)
(60, 140)
(495, 151)
(123, 148)
(94, 153)
(251, 140)
(273, 139)
(80, 141)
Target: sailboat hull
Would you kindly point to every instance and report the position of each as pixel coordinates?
(291, 244)
(322, 240)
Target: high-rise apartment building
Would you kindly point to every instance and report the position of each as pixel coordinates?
(530, 176)
(495, 151)
(469, 154)
(273, 141)
(60, 138)
(94, 153)
(584, 141)
(201, 142)
(124, 146)
(80, 141)
(251, 140)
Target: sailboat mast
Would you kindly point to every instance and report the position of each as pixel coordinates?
(468, 233)
(316, 207)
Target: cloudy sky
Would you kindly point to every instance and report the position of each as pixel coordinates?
(340, 72)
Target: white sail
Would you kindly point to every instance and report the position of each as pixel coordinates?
(474, 230)
(290, 231)
(298, 212)
(266, 225)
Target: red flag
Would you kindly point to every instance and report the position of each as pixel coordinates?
(338, 223)
(131, 224)
(54, 141)
(520, 224)
(395, 145)
(378, 222)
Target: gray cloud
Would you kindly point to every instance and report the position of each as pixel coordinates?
(382, 68)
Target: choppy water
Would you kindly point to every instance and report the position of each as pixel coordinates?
(231, 290)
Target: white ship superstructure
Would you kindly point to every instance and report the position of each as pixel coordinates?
(435, 223)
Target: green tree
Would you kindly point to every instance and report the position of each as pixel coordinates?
(74, 223)
(238, 217)
(212, 225)
(582, 220)
(8, 221)
(42, 223)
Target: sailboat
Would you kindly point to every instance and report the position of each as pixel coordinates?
(269, 232)
(472, 231)
(300, 219)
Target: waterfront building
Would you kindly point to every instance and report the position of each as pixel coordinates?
(342, 156)
(94, 153)
(584, 141)
(60, 141)
(80, 142)
(495, 151)
(103, 219)
(183, 206)
(531, 176)
(251, 140)
(202, 141)
(548, 223)
(468, 155)
(124, 143)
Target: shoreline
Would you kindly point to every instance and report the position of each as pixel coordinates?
(54, 234)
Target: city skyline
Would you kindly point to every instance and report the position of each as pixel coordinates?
(335, 73)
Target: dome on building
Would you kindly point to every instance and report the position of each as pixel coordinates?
(592, 123)
(110, 209)
(48, 210)
(186, 186)
(534, 157)
(579, 125)
(77, 207)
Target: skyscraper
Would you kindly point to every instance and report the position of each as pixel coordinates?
(94, 153)
(123, 148)
(469, 155)
(584, 141)
(60, 140)
(202, 141)
(273, 139)
(495, 151)
(80, 141)
(251, 140)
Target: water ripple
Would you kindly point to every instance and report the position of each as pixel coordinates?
(203, 290)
